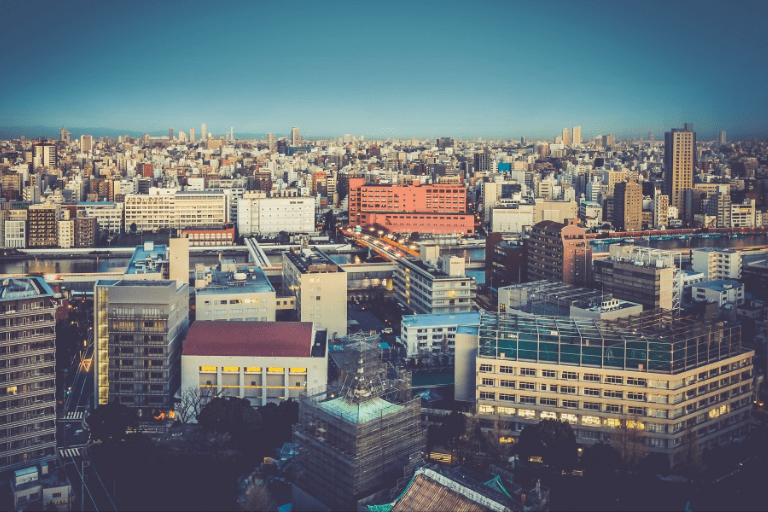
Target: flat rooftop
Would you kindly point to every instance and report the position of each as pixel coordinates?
(720, 285)
(470, 318)
(312, 260)
(23, 287)
(147, 259)
(249, 339)
(244, 280)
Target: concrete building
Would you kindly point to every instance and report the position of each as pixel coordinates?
(41, 225)
(431, 289)
(139, 328)
(506, 262)
(211, 237)
(511, 218)
(109, 215)
(86, 232)
(428, 336)
(235, 293)
(320, 288)
(28, 373)
(557, 211)
(65, 234)
(716, 263)
(168, 208)
(679, 164)
(591, 214)
(46, 487)
(628, 206)
(637, 375)
(722, 292)
(559, 252)
(261, 215)
(744, 215)
(16, 229)
(262, 362)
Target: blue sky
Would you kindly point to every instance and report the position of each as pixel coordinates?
(490, 69)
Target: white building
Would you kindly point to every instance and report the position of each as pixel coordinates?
(591, 213)
(433, 335)
(16, 233)
(235, 294)
(716, 263)
(65, 233)
(109, 215)
(511, 219)
(721, 291)
(744, 215)
(257, 214)
(427, 289)
(263, 362)
(168, 208)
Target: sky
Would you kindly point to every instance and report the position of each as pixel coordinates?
(490, 69)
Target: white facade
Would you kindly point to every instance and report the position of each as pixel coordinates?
(108, 215)
(235, 296)
(511, 220)
(15, 234)
(744, 215)
(167, 208)
(591, 213)
(721, 291)
(717, 263)
(428, 290)
(433, 335)
(65, 234)
(269, 215)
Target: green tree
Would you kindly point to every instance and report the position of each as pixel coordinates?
(134, 227)
(111, 422)
(231, 415)
(552, 440)
(601, 460)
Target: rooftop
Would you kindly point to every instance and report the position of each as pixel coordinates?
(359, 412)
(311, 260)
(147, 259)
(471, 318)
(24, 287)
(249, 339)
(245, 280)
(720, 285)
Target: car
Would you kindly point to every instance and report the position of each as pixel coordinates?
(388, 330)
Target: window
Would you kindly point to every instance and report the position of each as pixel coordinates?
(613, 379)
(506, 397)
(507, 369)
(633, 381)
(640, 411)
(615, 409)
(487, 395)
(528, 385)
(487, 382)
(526, 413)
(485, 409)
(548, 401)
(635, 396)
(486, 368)
(507, 383)
(550, 374)
(591, 377)
(613, 394)
(592, 406)
(505, 410)
(546, 415)
(590, 420)
(528, 372)
(570, 418)
(592, 391)
(528, 400)
(568, 390)
(571, 404)
(570, 375)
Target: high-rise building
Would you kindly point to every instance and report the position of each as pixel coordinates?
(559, 252)
(271, 142)
(86, 231)
(608, 140)
(356, 438)
(628, 206)
(139, 328)
(428, 289)
(679, 164)
(231, 133)
(41, 225)
(576, 135)
(721, 139)
(170, 133)
(44, 155)
(651, 136)
(191, 135)
(567, 137)
(482, 162)
(295, 136)
(86, 143)
(28, 373)
(64, 135)
(204, 132)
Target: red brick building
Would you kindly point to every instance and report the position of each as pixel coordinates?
(439, 208)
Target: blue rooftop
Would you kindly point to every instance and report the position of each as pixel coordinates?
(147, 259)
(471, 318)
(720, 284)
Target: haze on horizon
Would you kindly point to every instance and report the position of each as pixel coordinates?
(396, 69)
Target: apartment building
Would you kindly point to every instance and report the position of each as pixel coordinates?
(260, 215)
(139, 328)
(65, 234)
(263, 362)
(427, 289)
(109, 215)
(86, 231)
(27, 373)
(320, 288)
(559, 252)
(653, 373)
(723, 292)
(41, 225)
(168, 208)
(16, 229)
(409, 208)
(716, 263)
(428, 336)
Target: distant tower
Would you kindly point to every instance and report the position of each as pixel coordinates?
(576, 135)
(86, 143)
(191, 135)
(721, 140)
(650, 136)
(204, 131)
(64, 135)
(679, 164)
(232, 133)
(271, 141)
(566, 136)
(170, 133)
(295, 136)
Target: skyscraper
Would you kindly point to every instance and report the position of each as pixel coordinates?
(204, 132)
(191, 135)
(679, 163)
(231, 133)
(271, 141)
(64, 135)
(170, 133)
(567, 137)
(576, 135)
(86, 143)
(628, 206)
(721, 138)
(295, 136)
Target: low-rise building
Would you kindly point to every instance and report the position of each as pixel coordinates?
(721, 291)
(427, 336)
(716, 263)
(202, 237)
(234, 293)
(263, 362)
(427, 289)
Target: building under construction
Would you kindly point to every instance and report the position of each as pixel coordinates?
(357, 437)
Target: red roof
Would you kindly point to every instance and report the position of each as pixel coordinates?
(255, 339)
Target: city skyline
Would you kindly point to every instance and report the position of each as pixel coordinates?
(342, 68)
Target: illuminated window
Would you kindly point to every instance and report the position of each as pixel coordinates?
(298, 370)
(714, 413)
(526, 413)
(207, 368)
(639, 425)
(275, 369)
(570, 418)
(612, 422)
(231, 369)
(253, 369)
(485, 409)
(546, 415)
(506, 410)
(590, 420)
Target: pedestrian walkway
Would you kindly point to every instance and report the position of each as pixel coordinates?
(71, 452)
(74, 416)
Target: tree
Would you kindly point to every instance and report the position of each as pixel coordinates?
(552, 440)
(258, 497)
(111, 422)
(630, 443)
(601, 460)
(232, 415)
(452, 429)
(134, 227)
(193, 399)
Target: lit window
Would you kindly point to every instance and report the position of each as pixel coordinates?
(590, 420)
(546, 415)
(207, 368)
(231, 369)
(526, 413)
(485, 409)
(253, 369)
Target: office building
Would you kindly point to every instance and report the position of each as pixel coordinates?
(41, 225)
(716, 263)
(16, 229)
(261, 215)
(234, 293)
(567, 141)
(601, 377)
(679, 164)
(357, 437)
(295, 136)
(262, 362)
(745, 215)
(506, 262)
(168, 208)
(271, 142)
(628, 206)
(721, 139)
(170, 134)
(204, 132)
(108, 215)
(576, 135)
(211, 237)
(431, 289)
(723, 292)
(559, 252)
(64, 135)
(433, 336)
(482, 162)
(139, 328)
(44, 155)
(192, 135)
(28, 373)
(86, 143)
(647, 276)
(320, 288)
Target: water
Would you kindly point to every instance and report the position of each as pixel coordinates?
(692, 243)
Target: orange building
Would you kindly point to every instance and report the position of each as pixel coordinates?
(438, 208)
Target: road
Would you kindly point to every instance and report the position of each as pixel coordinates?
(85, 481)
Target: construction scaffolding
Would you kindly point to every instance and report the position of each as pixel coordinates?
(356, 437)
(654, 341)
